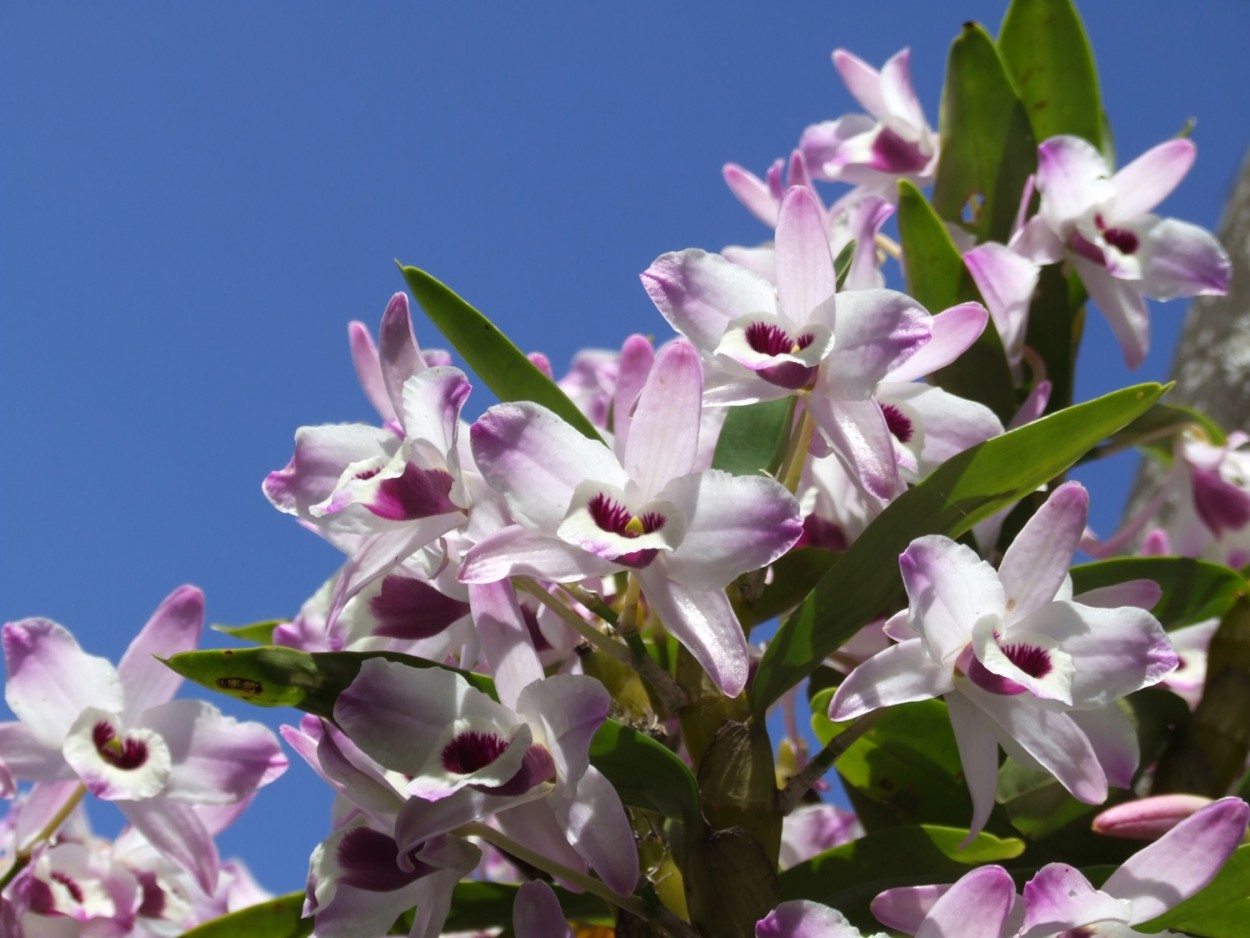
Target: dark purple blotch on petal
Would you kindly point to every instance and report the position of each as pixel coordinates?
(411, 609)
(894, 154)
(1221, 506)
(468, 752)
(1031, 659)
(119, 753)
(610, 515)
(898, 423)
(418, 493)
(369, 860)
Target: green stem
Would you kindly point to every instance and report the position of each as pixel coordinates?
(23, 855)
(789, 797)
(668, 691)
(796, 454)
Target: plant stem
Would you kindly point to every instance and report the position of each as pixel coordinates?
(23, 855)
(789, 797)
(796, 454)
(666, 689)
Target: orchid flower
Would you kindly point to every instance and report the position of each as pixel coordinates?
(581, 511)
(120, 733)
(892, 141)
(1017, 660)
(762, 342)
(1101, 223)
(469, 757)
(980, 904)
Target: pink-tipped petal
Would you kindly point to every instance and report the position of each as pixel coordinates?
(700, 293)
(1036, 563)
(399, 357)
(950, 588)
(514, 551)
(664, 432)
(597, 826)
(177, 832)
(861, 80)
(1182, 861)
(899, 674)
(989, 890)
(1184, 260)
(805, 277)
(953, 331)
(976, 739)
(505, 639)
(368, 371)
(536, 913)
(752, 192)
(1072, 176)
(175, 626)
(705, 623)
(1121, 303)
(1149, 179)
(52, 680)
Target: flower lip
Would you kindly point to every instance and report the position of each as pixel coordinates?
(128, 753)
(466, 753)
(898, 423)
(601, 520)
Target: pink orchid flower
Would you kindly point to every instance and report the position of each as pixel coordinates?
(1018, 661)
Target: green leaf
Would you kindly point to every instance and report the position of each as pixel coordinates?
(987, 143)
(491, 355)
(1048, 55)
(966, 489)
(1220, 910)
(938, 278)
(850, 876)
(1160, 423)
(1193, 590)
(260, 633)
(277, 918)
(907, 762)
(842, 263)
(645, 773)
(273, 676)
(754, 437)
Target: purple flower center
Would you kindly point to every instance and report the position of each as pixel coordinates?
(898, 423)
(468, 752)
(611, 515)
(418, 493)
(769, 339)
(120, 753)
(1121, 239)
(369, 860)
(1032, 660)
(67, 881)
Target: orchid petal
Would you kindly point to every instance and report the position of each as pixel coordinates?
(1072, 176)
(1183, 260)
(178, 833)
(700, 293)
(1182, 861)
(633, 367)
(976, 740)
(29, 758)
(175, 626)
(734, 524)
(536, 460)
(805, 275)
(215, 759)
(431, 406)
(664, 431)
(1122, 304)
(599, 829)
(321, 455)
(877, 331)
(952, 332)
(862, 81)
(752, 192)
(989, 890)
(860, 437)
(368, 371)
(1007, 281)
(1149, 179)
(803, 918)
(950, 588)
(570, 708)
(536, 913)
(52, 680)
(399, 357)
(1114, 738)
(505, 638)
(1059, 897)
(1036, 563)
(514, 551)
(705, 623)
(899, 674)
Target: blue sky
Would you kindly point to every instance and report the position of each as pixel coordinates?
(195, 199)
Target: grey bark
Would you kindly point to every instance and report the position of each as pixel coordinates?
(1212, 363)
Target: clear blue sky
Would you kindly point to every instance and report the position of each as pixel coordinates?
(195, 199)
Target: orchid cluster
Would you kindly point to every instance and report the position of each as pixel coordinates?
(535, 686)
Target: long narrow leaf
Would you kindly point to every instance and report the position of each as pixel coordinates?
(277, 918)
(966, 489)
(490, 353)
